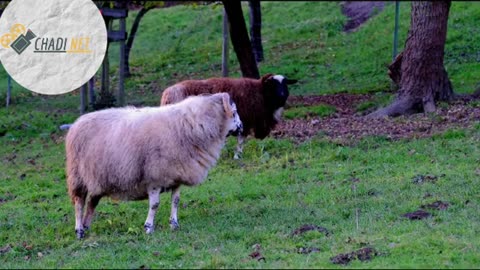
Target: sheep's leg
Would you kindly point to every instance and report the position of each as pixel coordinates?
(239, 150)
(154, 202)
(173, 214)
(92, 203)
(79, 204)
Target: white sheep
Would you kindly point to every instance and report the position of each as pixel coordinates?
(137, 153)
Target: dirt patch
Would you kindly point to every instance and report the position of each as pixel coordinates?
(306, 228)
(417, 215)
(5, 249)
(363, 254)
(7, 197)
(347, 125)
(307, 250)
(437, 205)
(256, 254)
(359, 12)
(420, 179)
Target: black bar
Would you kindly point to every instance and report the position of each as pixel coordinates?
(114, 12)
(117, 35)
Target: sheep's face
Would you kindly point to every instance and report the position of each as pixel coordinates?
(281, 89)
(234, 124)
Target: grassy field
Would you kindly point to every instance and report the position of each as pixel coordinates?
(358, 192)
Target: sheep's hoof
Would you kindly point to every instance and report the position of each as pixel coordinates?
(148, 228)
(174, 225)
(80, 233)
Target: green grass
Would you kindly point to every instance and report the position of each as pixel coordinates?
(308, 111)
(279, 185)
(378, 100)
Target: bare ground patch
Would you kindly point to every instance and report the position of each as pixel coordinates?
(346, 124)
(359, 12)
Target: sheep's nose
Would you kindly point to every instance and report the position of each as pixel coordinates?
(240, 127)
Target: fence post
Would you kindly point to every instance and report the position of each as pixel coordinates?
(9, 89)
(225, 45)
(393, 86)
(121, 90)
(91, 91)
(395, 31)
(83, 98)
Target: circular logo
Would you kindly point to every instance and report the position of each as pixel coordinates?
(52, 46)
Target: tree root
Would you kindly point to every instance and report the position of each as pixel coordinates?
(397, 108)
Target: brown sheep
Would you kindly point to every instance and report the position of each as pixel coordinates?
(137, 153)
(260, 102)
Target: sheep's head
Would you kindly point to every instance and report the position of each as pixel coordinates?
(234, 124)
(276, 89)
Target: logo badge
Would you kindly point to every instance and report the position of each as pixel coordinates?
(22, 39)
(52, 46)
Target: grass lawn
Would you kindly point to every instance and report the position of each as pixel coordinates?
(359, 192)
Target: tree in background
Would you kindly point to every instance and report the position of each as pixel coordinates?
(240, 40)
(144, 6)
(256, 29)
(419, 69)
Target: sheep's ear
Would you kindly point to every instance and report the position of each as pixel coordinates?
(290, 81)
(226, 105)
(266, 77)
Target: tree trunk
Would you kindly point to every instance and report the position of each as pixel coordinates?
(394, 69)
(419, 69)
(476, 94)
(256, 29)
(240, 40)
(131, 38)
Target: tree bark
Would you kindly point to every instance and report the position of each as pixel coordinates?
(131, 38)
(476, 94)
(394, 69)
(256, 29)
(419, 69)
(240, 40)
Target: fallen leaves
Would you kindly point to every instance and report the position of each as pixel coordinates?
(346, 124)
